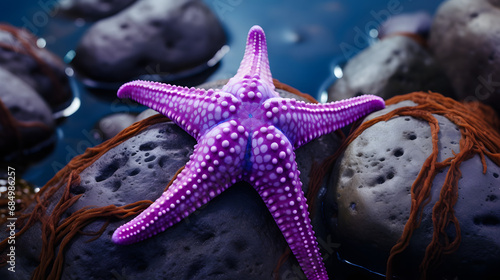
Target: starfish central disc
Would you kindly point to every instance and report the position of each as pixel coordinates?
(245, 132)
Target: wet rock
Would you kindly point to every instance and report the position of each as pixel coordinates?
(232, 237)
(150, 37)
(465, 40)
(92, 9)
(372, 198)
(111, 125)
(38, 67)
(26, 122)
(393, 66)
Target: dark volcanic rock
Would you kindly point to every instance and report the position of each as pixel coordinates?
(465, 40)
(25, 119)
(37, 67)
(372, 193)
(232, 237)
(393, 66)
(150, 37)
(92, 9)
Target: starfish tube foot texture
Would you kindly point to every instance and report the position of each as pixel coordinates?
(245, 132)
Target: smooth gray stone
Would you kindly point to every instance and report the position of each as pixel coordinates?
(151, 37)
(393, 66)
(26, 106)
(111, 125)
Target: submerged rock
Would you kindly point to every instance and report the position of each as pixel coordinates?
(372, 198)
(26, 122)
(232, 237)
(151, 37)
(92, 9)
(465, 40)
(39, 68)
(396, 65)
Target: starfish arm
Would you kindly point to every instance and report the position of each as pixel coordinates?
(276, 178)
(215, 165)
(302, 122)
(255, 63)
(194, 110)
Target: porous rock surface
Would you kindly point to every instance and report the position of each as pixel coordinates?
(37, 67)
(25, 106)
(232, 237)
(371, 193)
(465, 40)
(92, 9)
(393, 66)
(150, 37)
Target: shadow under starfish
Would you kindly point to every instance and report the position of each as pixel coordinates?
(245, 132)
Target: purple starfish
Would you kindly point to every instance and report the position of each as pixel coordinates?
(245, 132)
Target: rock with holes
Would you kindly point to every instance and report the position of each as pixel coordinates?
(26, 122)
(36, 66)
(465, 40)
(92, 9)
(151, 37)
(233, 237)
(395, 65)
(371, 197)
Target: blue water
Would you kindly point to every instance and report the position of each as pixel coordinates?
(306, 39)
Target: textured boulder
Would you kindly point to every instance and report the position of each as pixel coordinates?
(26, 123)
(150, 37)
(372, 197)
(92, 9)
(393, 66)
(37, 67)
(232, 237)
(465, 40)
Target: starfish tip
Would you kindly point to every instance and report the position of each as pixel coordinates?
(256, 28)
(124, 90)
(256, 31)
(115, 238)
